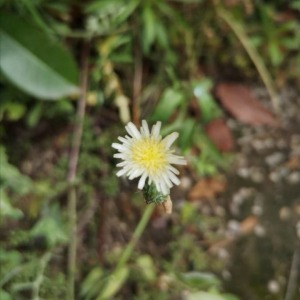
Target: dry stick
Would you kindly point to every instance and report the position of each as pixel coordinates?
(137, 84)
(73, 162)
(294, 272)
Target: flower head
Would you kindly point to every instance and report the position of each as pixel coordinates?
(145, 154)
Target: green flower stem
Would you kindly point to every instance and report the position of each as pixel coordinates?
(129, 248)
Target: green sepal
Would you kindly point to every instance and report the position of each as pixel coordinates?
(151, 195)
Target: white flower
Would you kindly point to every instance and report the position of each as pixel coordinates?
(146, 154)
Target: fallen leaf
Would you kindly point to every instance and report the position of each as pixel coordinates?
(247, 225)
(243, 105)
(207, 188)
(220, 134)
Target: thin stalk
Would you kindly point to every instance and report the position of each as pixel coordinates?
(294, 273)
(40, 277)
(137, 83)
(71, 177)
(129, 248)
(254, 55)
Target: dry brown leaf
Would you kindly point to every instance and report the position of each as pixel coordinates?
(220, 134)
(243, 105)
(247, 225)
(207, 188)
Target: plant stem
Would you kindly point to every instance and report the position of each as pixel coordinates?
(40, 277)
(293, 277)
(73, 162)
(254, 55)
(129, 248)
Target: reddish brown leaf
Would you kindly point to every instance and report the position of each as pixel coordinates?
(243, 105)
(220, 134)
(247, 225)
(207, 188)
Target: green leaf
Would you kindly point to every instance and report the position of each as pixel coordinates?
(147, 268)
(149, 30)
(186, 133)
(90, 286)
(209, 109)
(200, 279)
(33, 62)
(170, 100)
(51, 227)
(114, 285)
(6, 209)
(13, 111)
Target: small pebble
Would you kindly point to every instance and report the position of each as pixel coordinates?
(259, 230)
(223, 254)
(243, 172)
(258, 145)
(226, 275)
(294, 177)
(285, 213)
(257, 210)
(233, 227)
(273, 286)
(274, 159)
(274, 176)
(257, 175)
(186, 182)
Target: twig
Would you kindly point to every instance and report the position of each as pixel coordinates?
(128, 250)
(137, 84)
(73, 162)
(40, 276)
(254, 55)
(294, 272)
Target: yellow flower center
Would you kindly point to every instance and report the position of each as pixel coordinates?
(149, 154)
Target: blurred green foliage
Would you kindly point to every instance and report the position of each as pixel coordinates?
(184, 48)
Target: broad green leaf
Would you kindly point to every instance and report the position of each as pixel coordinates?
(208, 106)
(115, 283)
(147, 268)
(200, 279)
(90, 286)
(6, 209)
(170, 100)
(33, 62)
(186, 133)
(149, 30)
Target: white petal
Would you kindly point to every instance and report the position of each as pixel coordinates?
(171, 168)
(164, 189)
(145, 128)
(177, 160)
(142, 181)
(119, 147)
(169, 140)
(121, 172)
(123, 140)
(120, 155)
(135, 173)
(167, 180)
(156, 129)
(174, 178)
(132, 130)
